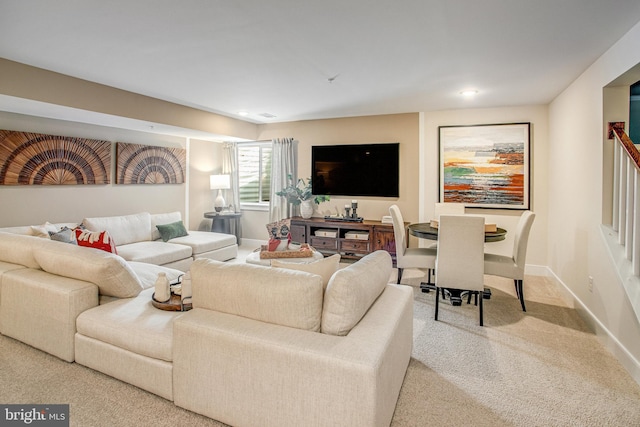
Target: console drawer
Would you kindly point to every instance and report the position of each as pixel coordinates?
(321, 243)
(355, 245)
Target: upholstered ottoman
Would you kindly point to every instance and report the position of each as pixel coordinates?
(254, 258)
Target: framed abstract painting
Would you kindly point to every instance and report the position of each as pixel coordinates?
(485, 166)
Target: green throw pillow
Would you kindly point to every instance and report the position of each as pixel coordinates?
(171, 231)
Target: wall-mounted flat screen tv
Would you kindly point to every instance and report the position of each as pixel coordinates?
(356, 169)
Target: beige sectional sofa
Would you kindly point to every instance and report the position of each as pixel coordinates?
(262, 347)
(137, 239)
(45, 285)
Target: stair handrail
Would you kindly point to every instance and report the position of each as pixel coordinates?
(628, 145)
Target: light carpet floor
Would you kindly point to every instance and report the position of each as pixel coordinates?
(539, 368)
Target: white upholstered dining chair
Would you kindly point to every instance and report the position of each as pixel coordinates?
(512, 267)
(406, 257)
(448, 209)
(460, 257)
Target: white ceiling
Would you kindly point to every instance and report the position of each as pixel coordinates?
(278, 56)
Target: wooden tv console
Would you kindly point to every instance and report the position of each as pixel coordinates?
(337, 237)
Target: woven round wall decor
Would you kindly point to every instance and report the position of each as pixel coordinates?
(146, 164)
(37, 159)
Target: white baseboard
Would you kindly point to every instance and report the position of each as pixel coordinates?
(608, 340)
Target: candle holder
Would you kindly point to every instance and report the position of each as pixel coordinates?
(354, 206)
(347, 212)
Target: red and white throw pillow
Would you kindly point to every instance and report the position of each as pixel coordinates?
(96, 239)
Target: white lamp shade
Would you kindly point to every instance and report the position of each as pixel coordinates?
(220, 182)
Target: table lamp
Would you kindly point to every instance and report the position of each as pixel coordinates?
(219, 182)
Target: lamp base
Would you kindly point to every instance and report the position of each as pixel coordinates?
(219, 203)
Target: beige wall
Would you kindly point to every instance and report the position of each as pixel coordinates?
(23, 81)
(402, 128)
(205, 159)
(505, 218)
(24, 205)
(576, 248)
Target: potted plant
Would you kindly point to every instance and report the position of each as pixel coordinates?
(300, 195)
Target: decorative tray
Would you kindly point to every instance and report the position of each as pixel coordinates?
(305, 251)
(174, 303)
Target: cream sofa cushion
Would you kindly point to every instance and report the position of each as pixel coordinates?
(108, 271)
(272, 295)
(154, 252)
(18, 249)
(324, 267)
(132, 324)
(205, 241)
(352, 290)
(124, 229)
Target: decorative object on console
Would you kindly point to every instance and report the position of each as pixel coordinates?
(95, 239)
(301, 195)
(37, 159)
(172, 230)
(306, 209)
(279, 235)
(147, 164)
(485, 166)
(219, 182)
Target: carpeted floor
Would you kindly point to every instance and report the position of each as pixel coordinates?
(539, 368)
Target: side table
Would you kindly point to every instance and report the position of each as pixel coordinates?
(226, 222)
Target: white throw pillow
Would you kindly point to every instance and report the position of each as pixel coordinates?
(43, 230)
(352, 290)
(323, 267)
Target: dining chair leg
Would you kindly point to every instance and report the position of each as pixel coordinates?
(515, 282)
(521, 294)
(399, 274)
(481, 305)
(437, 299)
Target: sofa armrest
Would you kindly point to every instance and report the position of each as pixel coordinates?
(40, 309)
(246, 372)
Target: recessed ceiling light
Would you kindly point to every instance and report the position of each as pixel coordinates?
(469, 92)
(243, 113)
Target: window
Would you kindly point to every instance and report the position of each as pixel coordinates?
(254, 169)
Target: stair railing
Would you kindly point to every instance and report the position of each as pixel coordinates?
(626, 196)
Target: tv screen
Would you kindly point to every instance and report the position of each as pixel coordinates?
(356, 170)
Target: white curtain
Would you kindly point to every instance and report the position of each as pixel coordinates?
(230, 167)
(284, 163)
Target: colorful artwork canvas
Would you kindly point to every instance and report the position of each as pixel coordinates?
(485, 166)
